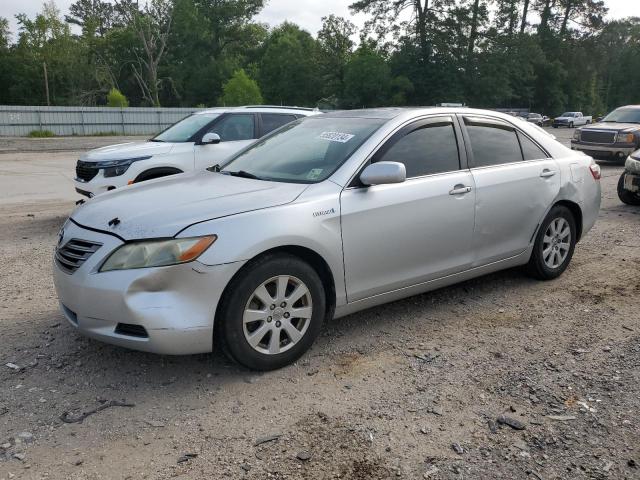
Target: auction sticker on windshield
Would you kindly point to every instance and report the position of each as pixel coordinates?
(336, 136)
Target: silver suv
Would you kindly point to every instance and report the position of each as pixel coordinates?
(324, 217)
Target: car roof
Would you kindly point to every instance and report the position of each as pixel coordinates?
(261, 109)
(407, 113)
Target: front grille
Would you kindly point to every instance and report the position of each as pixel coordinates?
(74, 253)
(86, 170)
(595, 136)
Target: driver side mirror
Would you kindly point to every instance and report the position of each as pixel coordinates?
(210, 138)
(382, 173)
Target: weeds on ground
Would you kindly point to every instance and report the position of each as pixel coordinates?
(41, 134)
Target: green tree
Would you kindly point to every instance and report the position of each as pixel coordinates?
(367, 79)
(336, 48)
(241, 90)
(5, 34)
(115, 98)
(289, 68)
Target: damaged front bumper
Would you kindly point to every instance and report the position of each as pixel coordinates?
(165, 310)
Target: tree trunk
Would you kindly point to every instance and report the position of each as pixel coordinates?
(474, 29)
(525, 11)
(565, 19)
(513, 16)
(546, 15)
(421, 27)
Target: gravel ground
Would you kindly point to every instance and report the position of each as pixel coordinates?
(501, 377)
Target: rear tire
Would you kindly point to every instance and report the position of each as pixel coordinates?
(554, 245)
(630, 198)
(277, 294)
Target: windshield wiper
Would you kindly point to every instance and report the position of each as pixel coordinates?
(155, 140)
(243, 174)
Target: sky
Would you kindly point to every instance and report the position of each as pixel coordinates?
(306, 13)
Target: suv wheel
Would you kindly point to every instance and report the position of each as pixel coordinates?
(630, 198)
(273, 313)
(554, 244)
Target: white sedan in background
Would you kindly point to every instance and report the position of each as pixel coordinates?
(198, 141)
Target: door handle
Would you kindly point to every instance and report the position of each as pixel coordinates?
(546, 173)
(459, 190)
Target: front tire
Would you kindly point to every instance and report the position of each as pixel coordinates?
(273, 312)
(554, 245)
(625, 196)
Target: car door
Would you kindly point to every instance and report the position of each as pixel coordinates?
(516, 182)
(403, 234)
(236, 131)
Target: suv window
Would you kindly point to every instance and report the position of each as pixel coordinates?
(271, 121)
(426, 150)
(530, 150)
(236, 126)
(492, 143)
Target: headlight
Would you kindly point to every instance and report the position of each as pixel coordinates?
(157, 253)
(625, 137)
(115, 168)
(576, 134)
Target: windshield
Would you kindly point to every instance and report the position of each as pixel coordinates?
(305, 151)
(624, 115)
(568, 114)
(185, 128)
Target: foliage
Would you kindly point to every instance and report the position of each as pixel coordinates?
(547, 55)
(289, 69)
(115, 98)
(41, 134)
(241, 90)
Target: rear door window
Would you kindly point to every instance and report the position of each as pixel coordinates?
(272, 121)
(492, 142)
(424, 149)
(235, 126)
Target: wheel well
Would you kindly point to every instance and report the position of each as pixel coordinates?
(577, 214)
(156, 173)
(306, 254)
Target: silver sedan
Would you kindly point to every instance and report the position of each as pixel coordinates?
(324, 217)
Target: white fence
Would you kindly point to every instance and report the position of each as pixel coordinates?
(20, 120)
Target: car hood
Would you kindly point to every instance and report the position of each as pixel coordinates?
(617, 127)
(165, 206)
(564, 118)
(127, 150)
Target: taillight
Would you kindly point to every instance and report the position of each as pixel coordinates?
(595, 171)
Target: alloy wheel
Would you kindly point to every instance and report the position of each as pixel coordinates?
(556, 243)
(277, 314)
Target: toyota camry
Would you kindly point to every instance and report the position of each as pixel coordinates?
(323, 217)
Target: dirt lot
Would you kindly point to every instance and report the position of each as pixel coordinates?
(408, 390)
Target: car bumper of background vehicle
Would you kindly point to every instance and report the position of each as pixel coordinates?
(98, 185)
(615, 149)
(165, 310)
